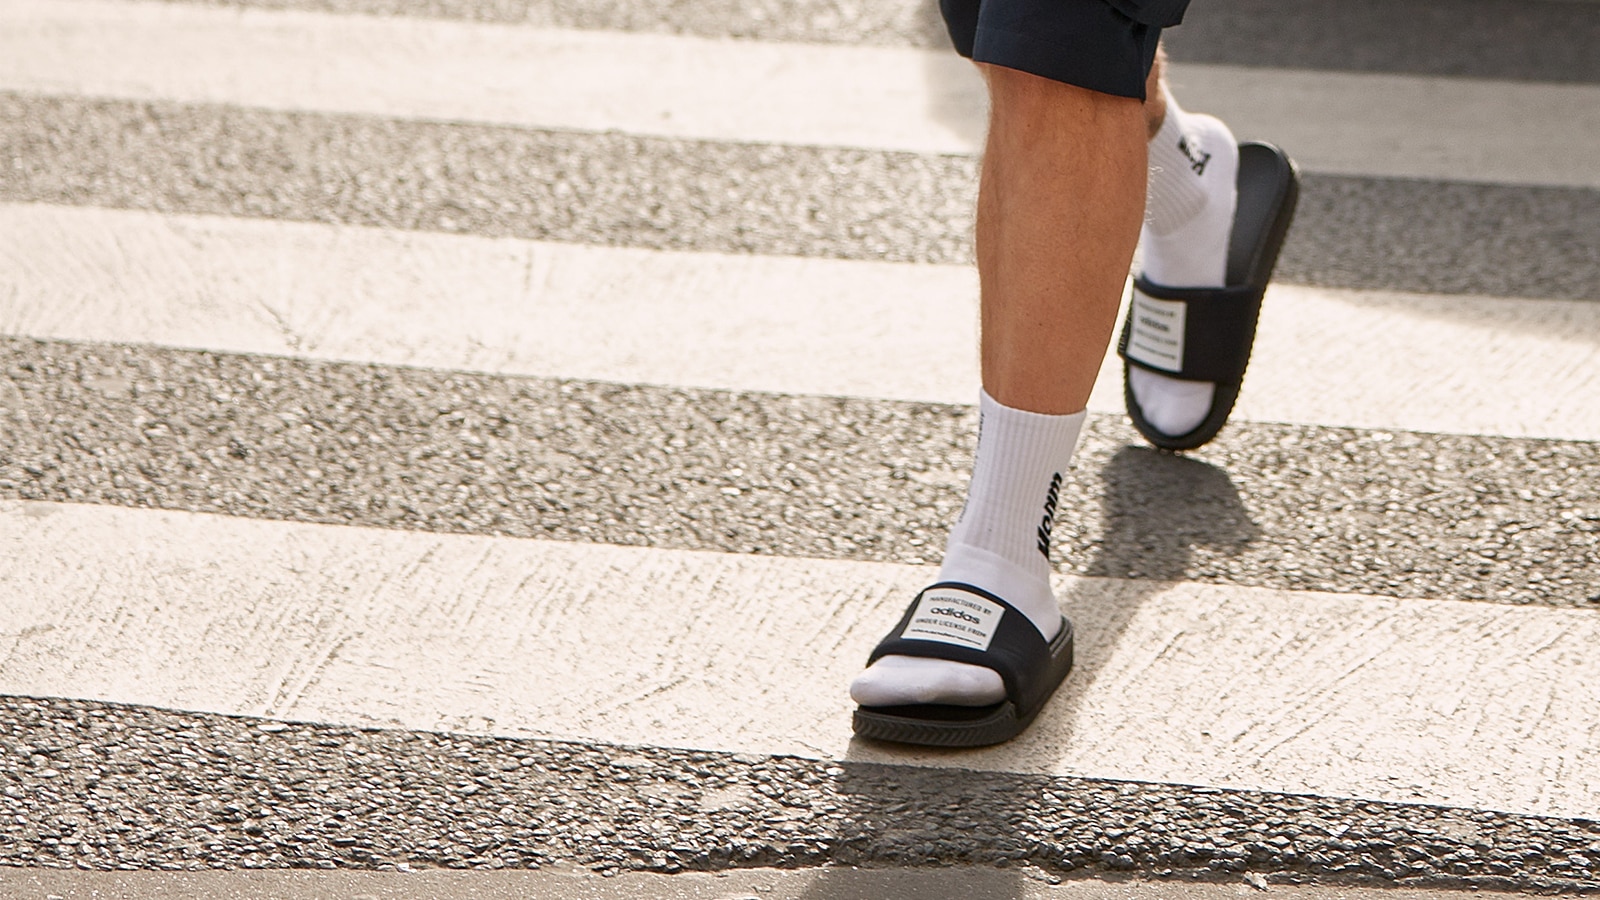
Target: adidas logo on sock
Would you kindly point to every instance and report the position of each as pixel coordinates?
(1197, 158)
(1049, 520)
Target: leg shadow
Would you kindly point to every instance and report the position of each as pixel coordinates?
(966, 883)
(930, 834)
(1156, 508)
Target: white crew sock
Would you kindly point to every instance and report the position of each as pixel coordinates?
(1000, 544)
(1194, 163)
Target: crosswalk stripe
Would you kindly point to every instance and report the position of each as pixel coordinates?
(1406, 126)
(621, 190)
(229, 283)
(1530, 41)
(1516, 367)
(769, 883)
(891, 23)
(665, 85)
(1338, 695)
(887, 98)
(1282, 506)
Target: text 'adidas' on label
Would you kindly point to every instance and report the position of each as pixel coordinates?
(954, 616)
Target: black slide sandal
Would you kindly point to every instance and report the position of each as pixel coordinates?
(1205, 334)
(959, 622)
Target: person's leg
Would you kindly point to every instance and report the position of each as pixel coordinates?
(1060, 204)
(1194, 161)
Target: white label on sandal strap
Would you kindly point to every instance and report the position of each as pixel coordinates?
(1156, 339)
(954, 616)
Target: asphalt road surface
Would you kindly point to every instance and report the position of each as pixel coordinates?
(489, 434)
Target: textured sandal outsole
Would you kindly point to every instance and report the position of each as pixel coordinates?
(941, 725)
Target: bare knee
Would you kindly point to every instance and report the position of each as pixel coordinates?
(1029, 107)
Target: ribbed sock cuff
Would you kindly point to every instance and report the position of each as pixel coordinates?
(1175, 196)
(1021, 461)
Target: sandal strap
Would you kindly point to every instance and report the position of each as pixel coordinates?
(1198, 334)
(962, 623)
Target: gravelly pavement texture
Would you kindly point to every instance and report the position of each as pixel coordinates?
(1489, 38)
(93, 785)
(1513, 39)
(621, 190)
(602, 189)
(1299, 507)
(101, 786)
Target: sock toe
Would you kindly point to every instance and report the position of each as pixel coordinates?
(904, 680)
(1172, 406)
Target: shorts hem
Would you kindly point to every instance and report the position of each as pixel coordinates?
(1083, 62)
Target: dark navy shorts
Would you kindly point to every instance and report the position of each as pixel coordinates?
(1102, 45)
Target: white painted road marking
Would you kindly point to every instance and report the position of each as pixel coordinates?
(556, 883)
(1366, 359)
(722, 89)
(1466, 704)
(1406, 126)
(675, 86)
(1474, 705)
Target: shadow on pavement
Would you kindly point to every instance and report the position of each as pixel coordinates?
(944, 810)
(1156, 508)
(954, 827)
(900, 884)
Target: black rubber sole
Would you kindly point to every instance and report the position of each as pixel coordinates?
(1269, 189)
(941, 725)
